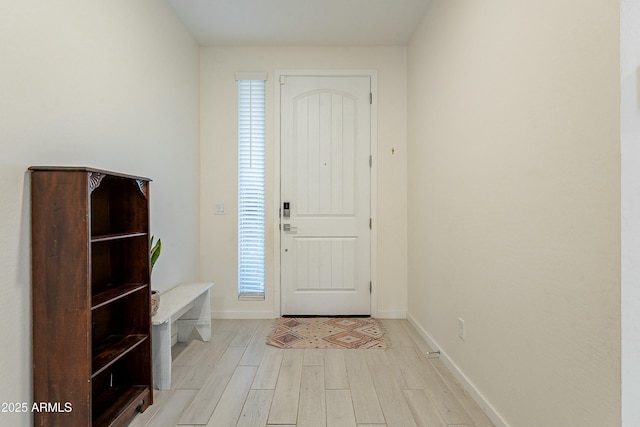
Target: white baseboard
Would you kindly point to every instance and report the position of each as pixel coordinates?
(390, 315)
(272, 315)
(460, 376)
(243, 315)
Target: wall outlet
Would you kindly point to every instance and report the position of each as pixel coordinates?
(461, 328)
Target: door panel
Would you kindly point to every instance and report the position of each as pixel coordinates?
(324, 263)
(325, 178)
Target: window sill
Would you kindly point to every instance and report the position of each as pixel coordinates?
(251, 297)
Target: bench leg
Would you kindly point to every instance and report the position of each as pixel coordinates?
(199, 317)
(162, 356)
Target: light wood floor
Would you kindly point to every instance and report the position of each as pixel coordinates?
(238, 380)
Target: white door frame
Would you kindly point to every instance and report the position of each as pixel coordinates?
(374, 176)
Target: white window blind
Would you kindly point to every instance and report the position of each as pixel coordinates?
(251, 223)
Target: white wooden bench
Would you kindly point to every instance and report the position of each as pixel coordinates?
(189, 305)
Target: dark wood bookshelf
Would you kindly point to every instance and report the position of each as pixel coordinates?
(112, 349)
(115, 293)
(115, 405)
(107, 237)
(91, 295)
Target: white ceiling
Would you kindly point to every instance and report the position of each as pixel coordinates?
(301, 22)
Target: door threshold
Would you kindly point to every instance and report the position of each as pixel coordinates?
(326, 315)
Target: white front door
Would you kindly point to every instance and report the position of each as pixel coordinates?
(325, 195)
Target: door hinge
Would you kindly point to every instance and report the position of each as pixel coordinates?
(282, 79)
(370, 160)
(370, 98)
(370, 223)
(370, 287)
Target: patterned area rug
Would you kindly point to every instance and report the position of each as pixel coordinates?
(327, 332)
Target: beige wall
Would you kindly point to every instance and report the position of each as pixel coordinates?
(113, 85)
(514, 203)
(218, 119)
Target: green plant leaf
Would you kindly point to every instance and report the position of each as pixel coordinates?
(155, 251)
